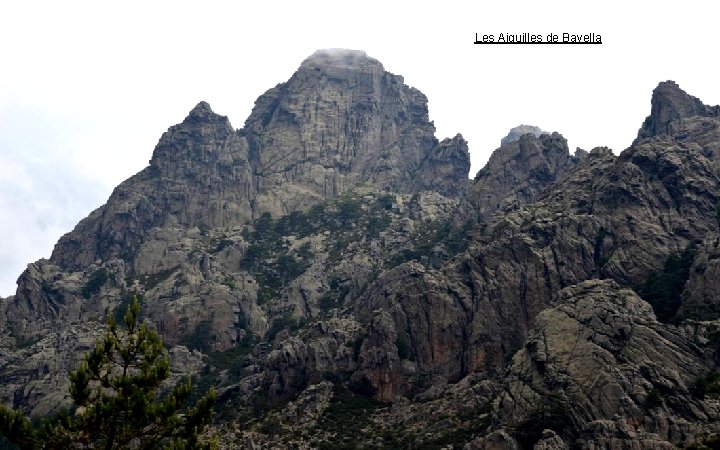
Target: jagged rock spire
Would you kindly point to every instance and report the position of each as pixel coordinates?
(670, 103)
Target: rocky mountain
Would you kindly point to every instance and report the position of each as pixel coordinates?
(340, 121)
(517, 132)
(333, 271)
(674, 113)
(516, 173)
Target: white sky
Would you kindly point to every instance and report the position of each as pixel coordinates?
(88, 87)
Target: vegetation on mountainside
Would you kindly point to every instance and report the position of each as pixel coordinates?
(351, 221)
(353, 420)
(274, 262)
(345, 417)
(552, 414)
(432, 244)
(94, 283)
(663, 289)
(706, 386)
(117, 399)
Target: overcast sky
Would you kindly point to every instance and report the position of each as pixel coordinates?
(88, 87)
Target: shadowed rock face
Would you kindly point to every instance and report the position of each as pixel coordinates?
(685, 119)
(671, 104)
(700, 299)
(519, 330)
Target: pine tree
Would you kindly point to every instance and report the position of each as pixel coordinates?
(117, 404)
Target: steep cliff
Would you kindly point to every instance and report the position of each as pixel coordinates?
(342, 119)
(671, 106)
(190, 232)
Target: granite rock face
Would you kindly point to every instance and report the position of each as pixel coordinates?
(598, 353)
(700, 300)
(174, 233)
(340, 121)
(685, 119)
(515, 133)
(608, 217)
(199, 175)
(332, 270)
(670, 105)
(517, 172)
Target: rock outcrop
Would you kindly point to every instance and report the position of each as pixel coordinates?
(515, 133)
(598, 355)
(517, 173)
(342, 119)
(671, 105)
(610, 217)
(199, 176)
(700, 300)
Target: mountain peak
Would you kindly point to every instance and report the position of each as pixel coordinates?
(515, 133)
(334, 251)
(201, 108)
(201, 113)
(340, 58)
(328, 128)
(670, 103)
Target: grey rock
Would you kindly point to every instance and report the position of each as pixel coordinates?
(700, 300)
(550, 441)
(515, 133)
(341, 120)
(497, 440)
(310, 404)
(620, 434)
(599, 353)
(517, 173)
(671, 104)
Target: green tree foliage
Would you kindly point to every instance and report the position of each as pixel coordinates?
(432, 244)
(708, 385)
(95, 282)
(117, 403)
(403, 347)
(552, 413)
(349, 210)
(264, 225)
(663, 289)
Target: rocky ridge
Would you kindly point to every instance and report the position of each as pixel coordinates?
(332, 271)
